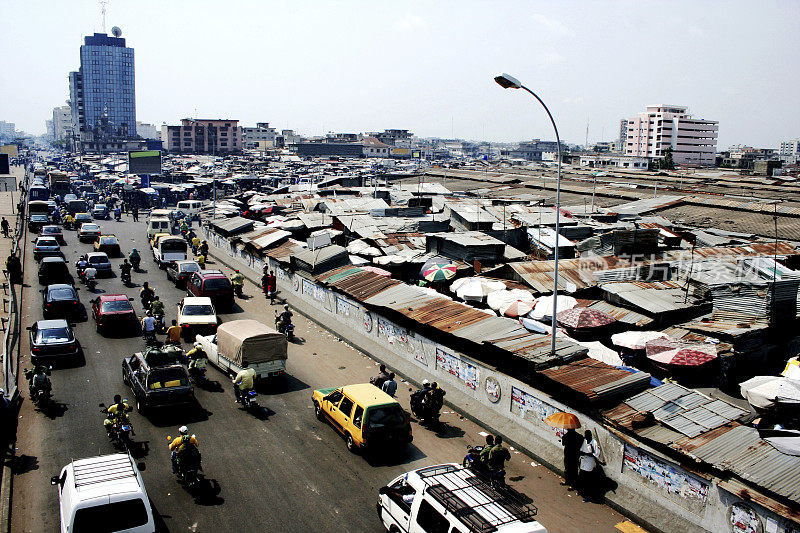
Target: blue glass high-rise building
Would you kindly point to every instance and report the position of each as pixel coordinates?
(103, 92)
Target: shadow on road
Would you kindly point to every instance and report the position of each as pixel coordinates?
(158, 518)
(54, 410)
(178, 417)
(446, 431)
(409, 455)
(287, 383)
(22, 464)
(207, 492)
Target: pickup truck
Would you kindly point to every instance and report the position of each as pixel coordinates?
(241, 344)
(168, 249)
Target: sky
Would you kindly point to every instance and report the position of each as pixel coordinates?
(352, 66)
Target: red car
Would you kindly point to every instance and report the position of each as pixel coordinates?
(213, 284)
(114, 311)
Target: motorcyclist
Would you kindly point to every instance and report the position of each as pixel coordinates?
(157, 306)
(135, 258)
(203, 248)
(284, 319)
(69, 221)
(243, 382)
(419, 398)
(197, 357)
(117, 213)
(381, 378)
(174, 333)
(149, 326)
(181, 447)
(195, 244)
(117, 414)
(498, 457)
(126, 269)
(81, 265)
(89, 274)
(38, 380)
(146, 295)
(201, 261)
(436, 398)
(238, 282)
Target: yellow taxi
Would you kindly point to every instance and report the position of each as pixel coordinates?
(108, 244)
(367, 417)
(157, 237)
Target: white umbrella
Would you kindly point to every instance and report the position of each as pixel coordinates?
(498, 299)
(544, 306)
(635, 340)
(475, 288)
(766, 391)
(534, 325)
(357, 246)
(516, 309)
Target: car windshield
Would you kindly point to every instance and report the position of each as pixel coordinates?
(46, 336)
(108, 240)
(115, 306)
(173, 245)
(167, 378)
(90, 227)
(385, 416)
(46, 242)
(197, 310)
(98, 260)
(62, 294)
(189, 267)
(82, 217)
(50, 229)
(216, 284)
(39, 218)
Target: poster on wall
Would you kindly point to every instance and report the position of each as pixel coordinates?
(308, 287)
(342, 307)
(743, 519)
(682, 488)
(419, 353)
(533, 409)
(461, 368)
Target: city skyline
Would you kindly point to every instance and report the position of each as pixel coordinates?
(426, 68)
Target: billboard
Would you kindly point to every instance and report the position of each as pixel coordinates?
(144, 162)
(10, 149)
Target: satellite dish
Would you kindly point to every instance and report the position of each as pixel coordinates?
(116, 32)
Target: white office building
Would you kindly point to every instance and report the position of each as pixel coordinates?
(693, 140)
(62, 123)
(791, 147)
(262, 137)
(147, 131)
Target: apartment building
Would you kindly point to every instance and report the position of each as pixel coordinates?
(693, 140)
(203, 136)
(262, 137)
(790, 147)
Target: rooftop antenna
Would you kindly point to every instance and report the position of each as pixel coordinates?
(103, 4)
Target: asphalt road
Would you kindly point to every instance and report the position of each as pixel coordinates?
(283, 471)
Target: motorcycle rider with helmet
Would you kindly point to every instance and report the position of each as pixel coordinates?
(135, 258)
(182, 448)
(117, 414)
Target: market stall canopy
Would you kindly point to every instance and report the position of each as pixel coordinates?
(498, 299)
(695, 355)
(475, 288)
(584, 318)
(636, 340)
(376, 270)
(516, 309)
(661, 344)
(544, 306)
(440, 273)
(767, 391)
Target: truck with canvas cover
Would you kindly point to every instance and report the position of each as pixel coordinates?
(241, 344)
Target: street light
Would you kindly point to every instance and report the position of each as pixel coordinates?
(507, 81)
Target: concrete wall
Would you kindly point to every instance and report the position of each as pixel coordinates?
(506, 405)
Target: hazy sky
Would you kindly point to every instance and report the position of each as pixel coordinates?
(318, 66)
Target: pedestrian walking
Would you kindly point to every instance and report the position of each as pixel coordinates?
(390, 385)
(4, 226)
(572, 452)
(135, 213)
(588, 467)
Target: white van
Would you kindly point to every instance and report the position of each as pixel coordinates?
(104, 493)
(451, 498)
(190, 207)
(158, 225)
(161, 213)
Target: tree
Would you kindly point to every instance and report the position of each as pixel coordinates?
(667, 163)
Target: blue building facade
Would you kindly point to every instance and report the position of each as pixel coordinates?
(103, 91)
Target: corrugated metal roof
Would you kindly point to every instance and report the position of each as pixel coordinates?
(626, 316)
(536, 349)
(597, 380)
(653, 297)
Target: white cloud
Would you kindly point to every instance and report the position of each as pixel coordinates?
(553, 25)
(409, 22)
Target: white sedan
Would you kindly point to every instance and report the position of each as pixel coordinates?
(196, 315)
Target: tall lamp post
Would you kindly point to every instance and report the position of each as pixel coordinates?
(507, 81)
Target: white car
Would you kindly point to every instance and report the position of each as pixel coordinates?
(196, 315)
(104, 493)
(88, 232)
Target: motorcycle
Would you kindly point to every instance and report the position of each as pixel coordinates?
(237, 289)
(126, 279)
(91, 283)
(497, 478)
(249, 399)
(136, 261)
(149, 338)
(119, 433)
(189, 466)
(197, 372)
(160, 327)
(286, 329)
(40, 396)
(423, 410)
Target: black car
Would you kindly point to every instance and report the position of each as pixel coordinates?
(157, 380)
(54, 270)
(59, 301)
(36, 222)
(52, 340)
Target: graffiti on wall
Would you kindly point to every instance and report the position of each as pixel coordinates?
(686, 490)
(463, 369)
(533, 409)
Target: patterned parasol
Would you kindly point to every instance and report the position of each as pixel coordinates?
(584, 318)
(687, 356)
(516, 308)
(440, 272)
(563, 421)
(656, 346)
